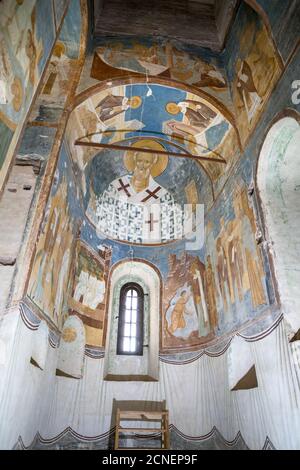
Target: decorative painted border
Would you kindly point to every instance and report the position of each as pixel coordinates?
(214, 433)
(32, 320)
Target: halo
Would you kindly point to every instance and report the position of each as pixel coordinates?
(135, 102)
(162, 161)
(17, 91)
(59, 49)
(173, 108)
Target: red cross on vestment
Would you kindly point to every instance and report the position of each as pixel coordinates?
(151, 194)
(124, 187)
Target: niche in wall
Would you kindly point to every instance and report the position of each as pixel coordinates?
(278, 182)
(241, 366)
(142, 367)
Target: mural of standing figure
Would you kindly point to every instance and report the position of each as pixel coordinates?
(236, 265)
(247, 89)
(223, 275)
(177, 317)
(211, 293)
(111, 105)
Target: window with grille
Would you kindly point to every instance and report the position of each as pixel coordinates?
(130, 327)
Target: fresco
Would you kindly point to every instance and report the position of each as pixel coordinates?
(122, 57)
(6, 135)
(61, 70)
(186, 121)
(49, 281)
(89, 290)
(59, 9)
(134, 207)
(186, 320)
(237, 285)
(24, 45)
(285, 27)
(254, 68)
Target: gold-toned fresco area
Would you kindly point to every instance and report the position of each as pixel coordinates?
(119, 59)
(48, 285)
(256, 72)
(185, 119)
(88, 290)
(189, 317)
(56, 85)
(237, 276)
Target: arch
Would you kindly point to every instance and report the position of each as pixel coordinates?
(143, 367)
(131, 305)
(133, 80)
(173, 144)
(278, 184)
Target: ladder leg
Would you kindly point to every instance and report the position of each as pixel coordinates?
(167, 432)
(117, 429)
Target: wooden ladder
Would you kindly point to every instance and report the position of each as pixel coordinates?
(146, 416)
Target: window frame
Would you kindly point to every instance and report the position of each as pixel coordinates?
(139, 323)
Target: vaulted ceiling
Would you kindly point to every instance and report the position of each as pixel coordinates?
(196, 22)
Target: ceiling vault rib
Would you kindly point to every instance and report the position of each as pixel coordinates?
(146, 150)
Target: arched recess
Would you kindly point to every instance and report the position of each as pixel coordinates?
(278, 183)
(132, 80)
(129, 368)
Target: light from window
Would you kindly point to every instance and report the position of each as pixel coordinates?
(130, 331)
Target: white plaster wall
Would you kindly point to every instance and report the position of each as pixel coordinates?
(278, 181)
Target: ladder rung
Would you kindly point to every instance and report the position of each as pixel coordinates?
(139, 448)
(150, 430)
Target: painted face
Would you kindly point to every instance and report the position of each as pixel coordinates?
(184, 295)
(143, 164)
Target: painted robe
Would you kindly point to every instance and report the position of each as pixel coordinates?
(148, 216)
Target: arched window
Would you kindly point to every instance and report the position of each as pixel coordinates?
(130, 326)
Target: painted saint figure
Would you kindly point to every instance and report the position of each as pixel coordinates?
(111, 105)
(179, 309)
(132, 207)
(211, 293)
(247, 90)
(181, 315)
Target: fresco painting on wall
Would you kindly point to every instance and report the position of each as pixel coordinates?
(62, 67)
(123, 112)
(235, 267)
(134, 207)
(256, 71)
(89, 290)
(24, 46)
(48, 286)
(187, 321)
(59, 7)
(50, 103)
(123, 57)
